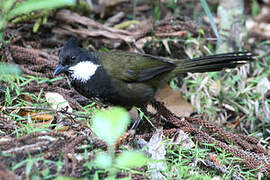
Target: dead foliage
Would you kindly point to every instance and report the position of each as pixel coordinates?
(54, 145)
(248, 148)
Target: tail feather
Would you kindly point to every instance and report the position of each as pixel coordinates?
(214, 62)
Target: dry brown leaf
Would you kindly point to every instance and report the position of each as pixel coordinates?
(174, 101)
(62, 129)
(43, 124)
(41, 117)
(21, 112)
(66, 130)
(214, 158)
(26, 98)
(62, 126)
(127, 135)
(41, 120)
(33, 115)
(45, 118)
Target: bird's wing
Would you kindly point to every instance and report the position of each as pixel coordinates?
(133, 67)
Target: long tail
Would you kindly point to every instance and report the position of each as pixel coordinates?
(214, 62)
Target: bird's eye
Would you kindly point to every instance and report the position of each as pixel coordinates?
(73, 58)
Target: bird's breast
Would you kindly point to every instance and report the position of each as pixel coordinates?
(98, 88)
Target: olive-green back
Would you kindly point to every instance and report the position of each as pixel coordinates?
(131, 67)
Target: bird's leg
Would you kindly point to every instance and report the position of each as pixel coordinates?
(139, 118)
(136, 123)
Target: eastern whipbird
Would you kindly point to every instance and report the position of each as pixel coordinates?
(132, 79)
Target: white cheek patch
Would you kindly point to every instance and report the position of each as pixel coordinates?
(83, 71)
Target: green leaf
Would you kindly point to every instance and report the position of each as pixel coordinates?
(9, 69)
(111, 124)
(255, 8)
(6, 5)
(28, 167)
(208, 13)
(19, 164)
(36, 25)
(103, 160)
(34, 5)
(131, 159)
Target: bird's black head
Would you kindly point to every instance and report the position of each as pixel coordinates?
(76, 62)
(68, 56)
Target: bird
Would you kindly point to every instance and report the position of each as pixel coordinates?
(132, 79)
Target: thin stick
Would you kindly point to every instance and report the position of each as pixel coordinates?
(46, 109)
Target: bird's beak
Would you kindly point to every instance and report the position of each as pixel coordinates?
(59, 69)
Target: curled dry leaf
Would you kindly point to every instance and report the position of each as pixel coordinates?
(183, 139)
(41, 117)
(214, 158)
(263, 86)
(174, 101)
(158, 151)
(43, 124)
(35, 116)
(126, 136)
(57, 102)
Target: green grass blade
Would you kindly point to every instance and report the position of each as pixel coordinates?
(6, 6)
(34, 5)
(9, 69)
(208, 13)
